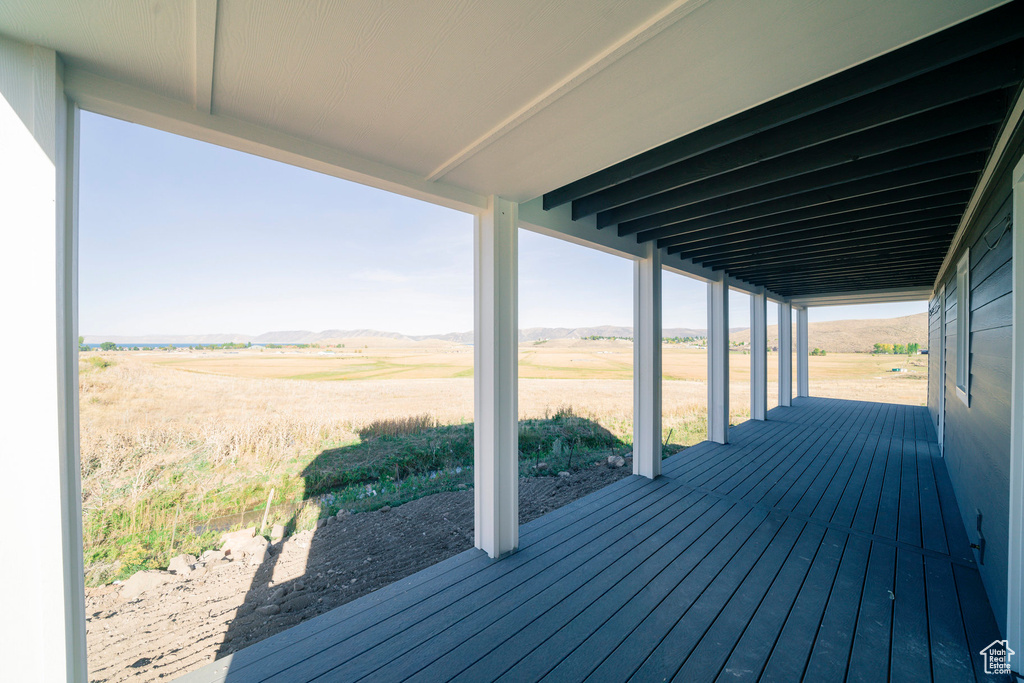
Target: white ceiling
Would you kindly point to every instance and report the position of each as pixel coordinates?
(507, 98)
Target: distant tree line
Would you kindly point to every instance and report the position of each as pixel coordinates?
(898, 349)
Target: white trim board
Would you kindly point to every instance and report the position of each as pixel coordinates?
(987, 176)
(111, 98)
(1015, 564)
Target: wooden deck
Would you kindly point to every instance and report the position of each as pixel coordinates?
(823, 545)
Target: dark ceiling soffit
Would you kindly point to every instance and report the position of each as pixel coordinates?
(967, 80)
(853, 249)
(994, 28)
(746, 232)
(720, 212)
(899, 142)
(839, 209)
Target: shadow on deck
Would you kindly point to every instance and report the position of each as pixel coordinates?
(823, 544)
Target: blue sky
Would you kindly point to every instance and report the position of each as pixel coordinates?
(183, 237)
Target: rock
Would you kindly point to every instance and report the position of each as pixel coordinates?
(276, 533)
(563, 474)
(298, 585)
(298, 603)
(543, 467)
(331, 520)
(616, 461)
(321, 523)
(385, 508)
(211, 556)
(236, 539)
(279, 594)
(181, 564)
(268, 610)
(255, 550)
(341, 514)
(143, 581)
(462, 487)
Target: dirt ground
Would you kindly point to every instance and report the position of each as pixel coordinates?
(189, 621)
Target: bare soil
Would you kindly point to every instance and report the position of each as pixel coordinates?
(190, 621)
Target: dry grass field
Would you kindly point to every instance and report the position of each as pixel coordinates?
(171, 438)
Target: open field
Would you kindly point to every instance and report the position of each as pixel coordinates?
(172, 439)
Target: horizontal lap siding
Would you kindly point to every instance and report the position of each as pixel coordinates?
(977, 438)
(934, 357)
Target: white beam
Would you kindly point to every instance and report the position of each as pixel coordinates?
(496, 403)
(647, 364)
(785, 354)
(871, 296)
(718, 361)
(625, 44)
(802, 353)
(39, 404)
(758, 356)
(205, 15)
(111, 98)
(1015, 565)
(558, 223)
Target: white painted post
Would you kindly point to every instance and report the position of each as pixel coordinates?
(496, 370)
(759, 356)
(39, 404)
(785, 354)
(718, 360)
(647, 363)
(802, 353)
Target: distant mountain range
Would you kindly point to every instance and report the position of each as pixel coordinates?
(307, 337)
(836, 336)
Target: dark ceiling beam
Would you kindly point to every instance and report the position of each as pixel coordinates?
(825, 278)
(828, 235)
(860, 286)
(838, 209)
(877, 249)
(734, 208)
(834, 260)
(974, 139)
(986, 31)
(966, 80)
(910, 255)
(932, 125)
(738, 234)
(937, 232)
(839, 269)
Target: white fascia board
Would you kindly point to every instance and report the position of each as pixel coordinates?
(558, 223)
(868, 297)
(974, 205)
(136, 105)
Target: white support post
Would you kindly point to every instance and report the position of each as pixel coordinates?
(718, 361)
(647, 363)
(759, 356)
(802, 353)
(39, 411)
(785, 354)
(496, 334)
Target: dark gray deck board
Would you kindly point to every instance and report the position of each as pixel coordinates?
(770, 558)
